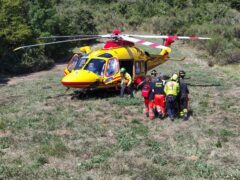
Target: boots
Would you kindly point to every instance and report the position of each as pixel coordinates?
(185, 114)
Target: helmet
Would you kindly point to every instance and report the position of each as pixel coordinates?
(153, 72)
(122, 70)
(182, 73)
(174, 77)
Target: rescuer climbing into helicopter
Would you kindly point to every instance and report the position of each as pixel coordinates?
(126, 82)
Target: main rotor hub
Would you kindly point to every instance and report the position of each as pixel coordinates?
(116, 32)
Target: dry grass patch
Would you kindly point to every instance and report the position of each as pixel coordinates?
(47, 135)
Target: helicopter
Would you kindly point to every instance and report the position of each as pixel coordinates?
(100, 69)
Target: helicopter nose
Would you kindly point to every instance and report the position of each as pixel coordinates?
(80, 79)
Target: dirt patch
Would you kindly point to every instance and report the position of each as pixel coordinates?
(33, 76)
(5, 133)
(63, 132)
(8, 99)
(66, 164)
(192, 158)
(234, 91)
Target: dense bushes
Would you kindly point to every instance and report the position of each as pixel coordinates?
(217, 19)
(213, 19)
(23, 21)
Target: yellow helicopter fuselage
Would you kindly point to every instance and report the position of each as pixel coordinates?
(101, 68)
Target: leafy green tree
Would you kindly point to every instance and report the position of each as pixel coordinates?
(13, 27)
(14, 30)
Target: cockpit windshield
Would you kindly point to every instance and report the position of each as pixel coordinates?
(96, 66)
(76, 62)
(80, 62)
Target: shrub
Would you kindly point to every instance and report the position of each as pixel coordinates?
(163, 25)
(230, 56)
(215, 45)
(24, 62)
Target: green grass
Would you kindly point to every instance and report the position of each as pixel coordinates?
(45, 136)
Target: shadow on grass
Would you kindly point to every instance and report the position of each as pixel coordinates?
(204, 85)
(90, 94)
(3, 80)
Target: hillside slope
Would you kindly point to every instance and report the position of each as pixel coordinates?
(46, 136)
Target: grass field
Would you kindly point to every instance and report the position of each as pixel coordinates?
(45, 136)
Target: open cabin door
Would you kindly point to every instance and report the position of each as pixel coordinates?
(112, 72)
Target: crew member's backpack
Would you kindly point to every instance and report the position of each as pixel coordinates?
(146, 90)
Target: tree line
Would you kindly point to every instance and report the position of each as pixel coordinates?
(23, 21)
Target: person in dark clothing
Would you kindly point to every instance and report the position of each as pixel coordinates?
(154, 75)
(159, 97)
(183, 96)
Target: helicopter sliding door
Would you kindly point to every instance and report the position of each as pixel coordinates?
(112, 73)
(128, 65)
(139, 71)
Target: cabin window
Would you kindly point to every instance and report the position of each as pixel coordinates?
(142, 67)
(113, 67)
(96, 66)
(105, 55)
(137, 68)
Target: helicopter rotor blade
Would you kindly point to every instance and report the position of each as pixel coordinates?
(192, 37)
(74, 36)
(175, 37)
(146, 43)
(56, 42)
(78, 36)
(149, 36)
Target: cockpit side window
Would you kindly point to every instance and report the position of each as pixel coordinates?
(96, 66)
(137, 68)
(105, 55)
(113, 67)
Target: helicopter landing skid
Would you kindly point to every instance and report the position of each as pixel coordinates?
(66, 90)
(80, 94)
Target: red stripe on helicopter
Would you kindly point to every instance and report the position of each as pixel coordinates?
(75, 83)
(141, 41)
(154, 45)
